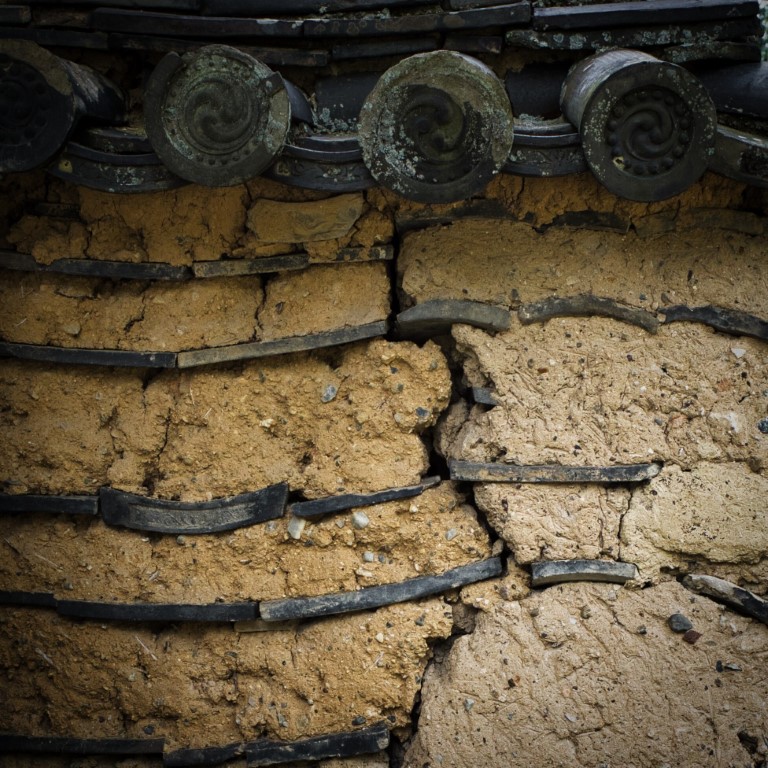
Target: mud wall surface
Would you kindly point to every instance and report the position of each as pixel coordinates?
(440, 402)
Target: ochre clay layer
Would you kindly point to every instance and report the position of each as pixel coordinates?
(555, 522)
(347, 421)
(710, 519)
(92, 313)
(211, 686)
(87, 560)
(195, 223)
(509, 263)
(65, 311)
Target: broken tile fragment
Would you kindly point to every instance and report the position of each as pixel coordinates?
(544, 573)
(730, 594)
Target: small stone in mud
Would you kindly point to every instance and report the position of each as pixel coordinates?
(329, 393)
(72, 329)
(586, 612)
(360, 520)
(451, 534)
(468, 704)
(762, 425)
(359, 720)
(691, 636)
(679, 623)
(296, 527)
(369, 557)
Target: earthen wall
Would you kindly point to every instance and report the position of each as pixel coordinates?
(575, 354)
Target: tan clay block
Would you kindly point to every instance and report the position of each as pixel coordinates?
(48, 239)
(599, 392)
(178, 227)
(509, 263)
(70, 430)
(350, 425)
(275, 222)
(711, 518)
(91, 313)
(324, 298)
(555, 522)
(588, 674)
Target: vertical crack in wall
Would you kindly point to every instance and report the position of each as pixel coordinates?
(152, 470)
(463, 614)
(258, 325)
(138, 318)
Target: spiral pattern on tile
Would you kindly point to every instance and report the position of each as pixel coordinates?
(648, 131)
(438, 135)
(216, 117)
(437, 127)
(214, 110)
